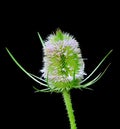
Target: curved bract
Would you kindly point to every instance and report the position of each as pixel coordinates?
(63, 67)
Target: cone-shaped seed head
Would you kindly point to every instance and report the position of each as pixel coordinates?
(63, 63)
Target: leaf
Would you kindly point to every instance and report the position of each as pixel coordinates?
(97, 67)
(37, 77)
(16, 62)
(95, 79)
(43, 90)
(43, 44)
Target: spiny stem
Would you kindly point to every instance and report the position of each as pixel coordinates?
(68, 104)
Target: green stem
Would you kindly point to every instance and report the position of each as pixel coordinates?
(68, 104)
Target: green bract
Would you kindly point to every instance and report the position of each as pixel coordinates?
(63, 67)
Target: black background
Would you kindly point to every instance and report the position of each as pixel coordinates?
(94, 25)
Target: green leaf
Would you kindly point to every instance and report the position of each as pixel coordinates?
(43, 90)
(16, 62)
(95, 79)
(37, 77)
(91, 82)
(43, 44)
(97, 67)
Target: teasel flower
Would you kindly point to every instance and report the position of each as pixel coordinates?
(63, 65)
(63, 69)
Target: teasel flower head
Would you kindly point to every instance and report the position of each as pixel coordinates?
(63, 65)
(63, 69)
